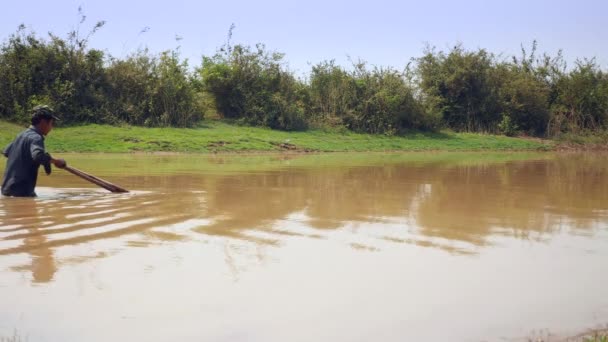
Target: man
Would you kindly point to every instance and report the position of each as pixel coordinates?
(26, 153)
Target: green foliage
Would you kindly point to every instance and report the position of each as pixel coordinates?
(130, 85)
(79, 84)
(332, 93)
(471, 91)
(507, 126)
(581, 100)
(597, 338)
(525, 100)
(474, 91)
(251, 84)
(60, 73)
(172, 94)
(461, 87)
(151, 91)
(385, 103)
(376, 101)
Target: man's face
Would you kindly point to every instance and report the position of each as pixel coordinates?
(45, 126)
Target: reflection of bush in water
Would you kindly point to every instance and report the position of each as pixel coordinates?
(523, 197)
(452, 202)
(15, 338)
(466, 198)
(458, 203)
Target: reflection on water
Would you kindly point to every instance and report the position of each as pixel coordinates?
(433, 204)
(462, 206)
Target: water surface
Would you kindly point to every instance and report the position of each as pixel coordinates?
(339, 247)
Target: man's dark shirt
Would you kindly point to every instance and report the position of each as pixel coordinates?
(25, 155)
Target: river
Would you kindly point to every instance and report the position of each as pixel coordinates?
(331, 247)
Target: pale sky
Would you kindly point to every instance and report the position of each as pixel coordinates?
(382, 32)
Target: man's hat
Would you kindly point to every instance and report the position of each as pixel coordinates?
(44, 112)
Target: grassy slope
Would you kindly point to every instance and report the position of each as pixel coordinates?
(216, 136)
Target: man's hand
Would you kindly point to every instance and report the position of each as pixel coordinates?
(47, 168)
(60, 163)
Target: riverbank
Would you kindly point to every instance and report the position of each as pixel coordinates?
(216, 136)
(591, 335)
(583, 142)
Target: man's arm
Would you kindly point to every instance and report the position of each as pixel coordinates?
(7, 150)
(39, 155)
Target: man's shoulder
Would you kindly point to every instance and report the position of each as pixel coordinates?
(32, 134)
(28, 136)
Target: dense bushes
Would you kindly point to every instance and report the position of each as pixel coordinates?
(151, 91)
(371, 101)
(60, 73)
(86, 87)
(580, 100)
(523, 102)
(129, 85)
(252, 85)
(458, 89)
(462, 88)
(475, 91)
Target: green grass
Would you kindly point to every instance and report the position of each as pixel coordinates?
(597, 338)
(217, 136)
(585, 140)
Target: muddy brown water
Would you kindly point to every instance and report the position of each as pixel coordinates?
(345, 247)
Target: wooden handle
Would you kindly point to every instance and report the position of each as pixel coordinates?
(98, 181)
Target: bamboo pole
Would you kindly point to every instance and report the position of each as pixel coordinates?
(95, 180)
